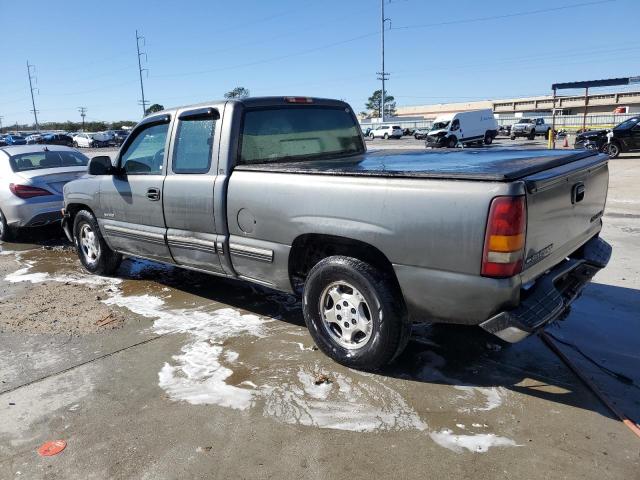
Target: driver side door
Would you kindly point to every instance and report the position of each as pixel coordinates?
(131, 201)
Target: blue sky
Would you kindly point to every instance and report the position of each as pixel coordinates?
(85, 55)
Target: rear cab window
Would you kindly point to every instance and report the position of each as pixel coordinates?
(296, 133)
(47, 159)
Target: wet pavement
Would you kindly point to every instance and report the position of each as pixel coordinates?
(201, 377)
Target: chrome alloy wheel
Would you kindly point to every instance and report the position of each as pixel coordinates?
(346, 315)
(89, 244)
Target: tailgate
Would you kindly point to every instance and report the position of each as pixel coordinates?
(564, 209)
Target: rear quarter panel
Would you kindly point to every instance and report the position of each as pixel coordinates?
(436, 224)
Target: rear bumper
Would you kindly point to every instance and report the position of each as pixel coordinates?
(32, 212)
(551, 295)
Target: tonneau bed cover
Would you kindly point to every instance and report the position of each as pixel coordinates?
(502, 165)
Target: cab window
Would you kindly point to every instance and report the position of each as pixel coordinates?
(145, 154)
(193, 145)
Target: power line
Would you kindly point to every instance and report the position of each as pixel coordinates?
(30, 73)
(506, 15)
(140, 70)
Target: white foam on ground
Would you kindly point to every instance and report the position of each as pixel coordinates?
(493, 397)
(23, 275)
(344, 404)
(197, 375)
(479, 443)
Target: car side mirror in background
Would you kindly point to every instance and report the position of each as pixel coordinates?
(100, 165)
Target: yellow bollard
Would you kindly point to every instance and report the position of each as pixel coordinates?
(550, 142)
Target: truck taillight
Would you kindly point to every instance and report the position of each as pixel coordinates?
(27, 191)
(298, 100)
(504, 239)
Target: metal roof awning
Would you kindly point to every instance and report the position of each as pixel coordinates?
(609, 82)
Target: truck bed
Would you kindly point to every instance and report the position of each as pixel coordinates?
(502, 165)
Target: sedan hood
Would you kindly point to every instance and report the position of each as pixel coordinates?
(591, 134)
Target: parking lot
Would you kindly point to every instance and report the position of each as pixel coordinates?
(164, 373)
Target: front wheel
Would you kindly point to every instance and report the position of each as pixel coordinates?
(532, 135)
(386, 136)
(75, 144)
(612, 149)
(354, 313)
(452, 142)
(94, 253)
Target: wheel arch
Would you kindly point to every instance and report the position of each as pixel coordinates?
(309, 248)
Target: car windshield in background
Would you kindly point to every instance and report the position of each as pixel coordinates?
(627, 124)
(292, 133)
(47, 159)
(439, 125)
(396, 127)
(525, 120)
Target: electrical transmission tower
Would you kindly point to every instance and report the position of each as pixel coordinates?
(31, 69)
(83, 113)
(140, 70)
(382, 75)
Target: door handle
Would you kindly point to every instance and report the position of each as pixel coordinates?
(153, 194)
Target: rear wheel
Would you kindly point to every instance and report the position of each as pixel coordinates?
(488, 139)
(6, 232)
(354, 313)
(94, 253)
(75, 144)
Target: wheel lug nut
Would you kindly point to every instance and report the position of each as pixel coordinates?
(353, 321)
(345, 303)
(339, 317)
(353, 310)
(346, 324)
(338, 307)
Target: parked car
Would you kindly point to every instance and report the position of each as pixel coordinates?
(57, 139)
(472, 127)
(421, 133)
(530, 127)
(504, 130)
(624, 137)
(12, 139)
(371, 241)
(407, 132)
(83, 140)
(35, 138)
(119, 136)
(31, 182)
(386, 132)
(3, 142)
(366, 131)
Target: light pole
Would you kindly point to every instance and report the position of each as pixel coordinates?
(382, 75)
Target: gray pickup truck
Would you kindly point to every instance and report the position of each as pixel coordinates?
(282, 192)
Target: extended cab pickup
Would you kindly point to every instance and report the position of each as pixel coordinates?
(281, 192)
(530, 127)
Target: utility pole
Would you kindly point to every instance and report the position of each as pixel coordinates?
(140, 70)
(83, 113)
(1, 117)
(382, 75)
(31, 89)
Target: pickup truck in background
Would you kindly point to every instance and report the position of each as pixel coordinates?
(282, 192)
(530, 127)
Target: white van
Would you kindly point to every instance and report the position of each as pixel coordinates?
(476, 126)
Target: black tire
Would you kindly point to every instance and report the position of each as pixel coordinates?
(75, 144)
(372, 136)
(390, 327)
(513, 137)
(452, 142)
(6, 232)
(612, 149)
(532, 135)
(488, 139)
(105, 261)
(386, 136)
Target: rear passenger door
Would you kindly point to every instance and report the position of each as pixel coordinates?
(188, 190)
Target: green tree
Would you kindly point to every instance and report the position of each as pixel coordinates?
(238, 92)
(374, 102)
(156, 107)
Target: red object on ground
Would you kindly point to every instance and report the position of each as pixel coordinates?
(566, 142)
(52, 448)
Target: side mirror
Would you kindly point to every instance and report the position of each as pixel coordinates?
(100, 165)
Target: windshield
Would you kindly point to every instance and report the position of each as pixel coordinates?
(632, 122)
(47, 159)
(439, 125)
(526, 120)
(300, 133)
